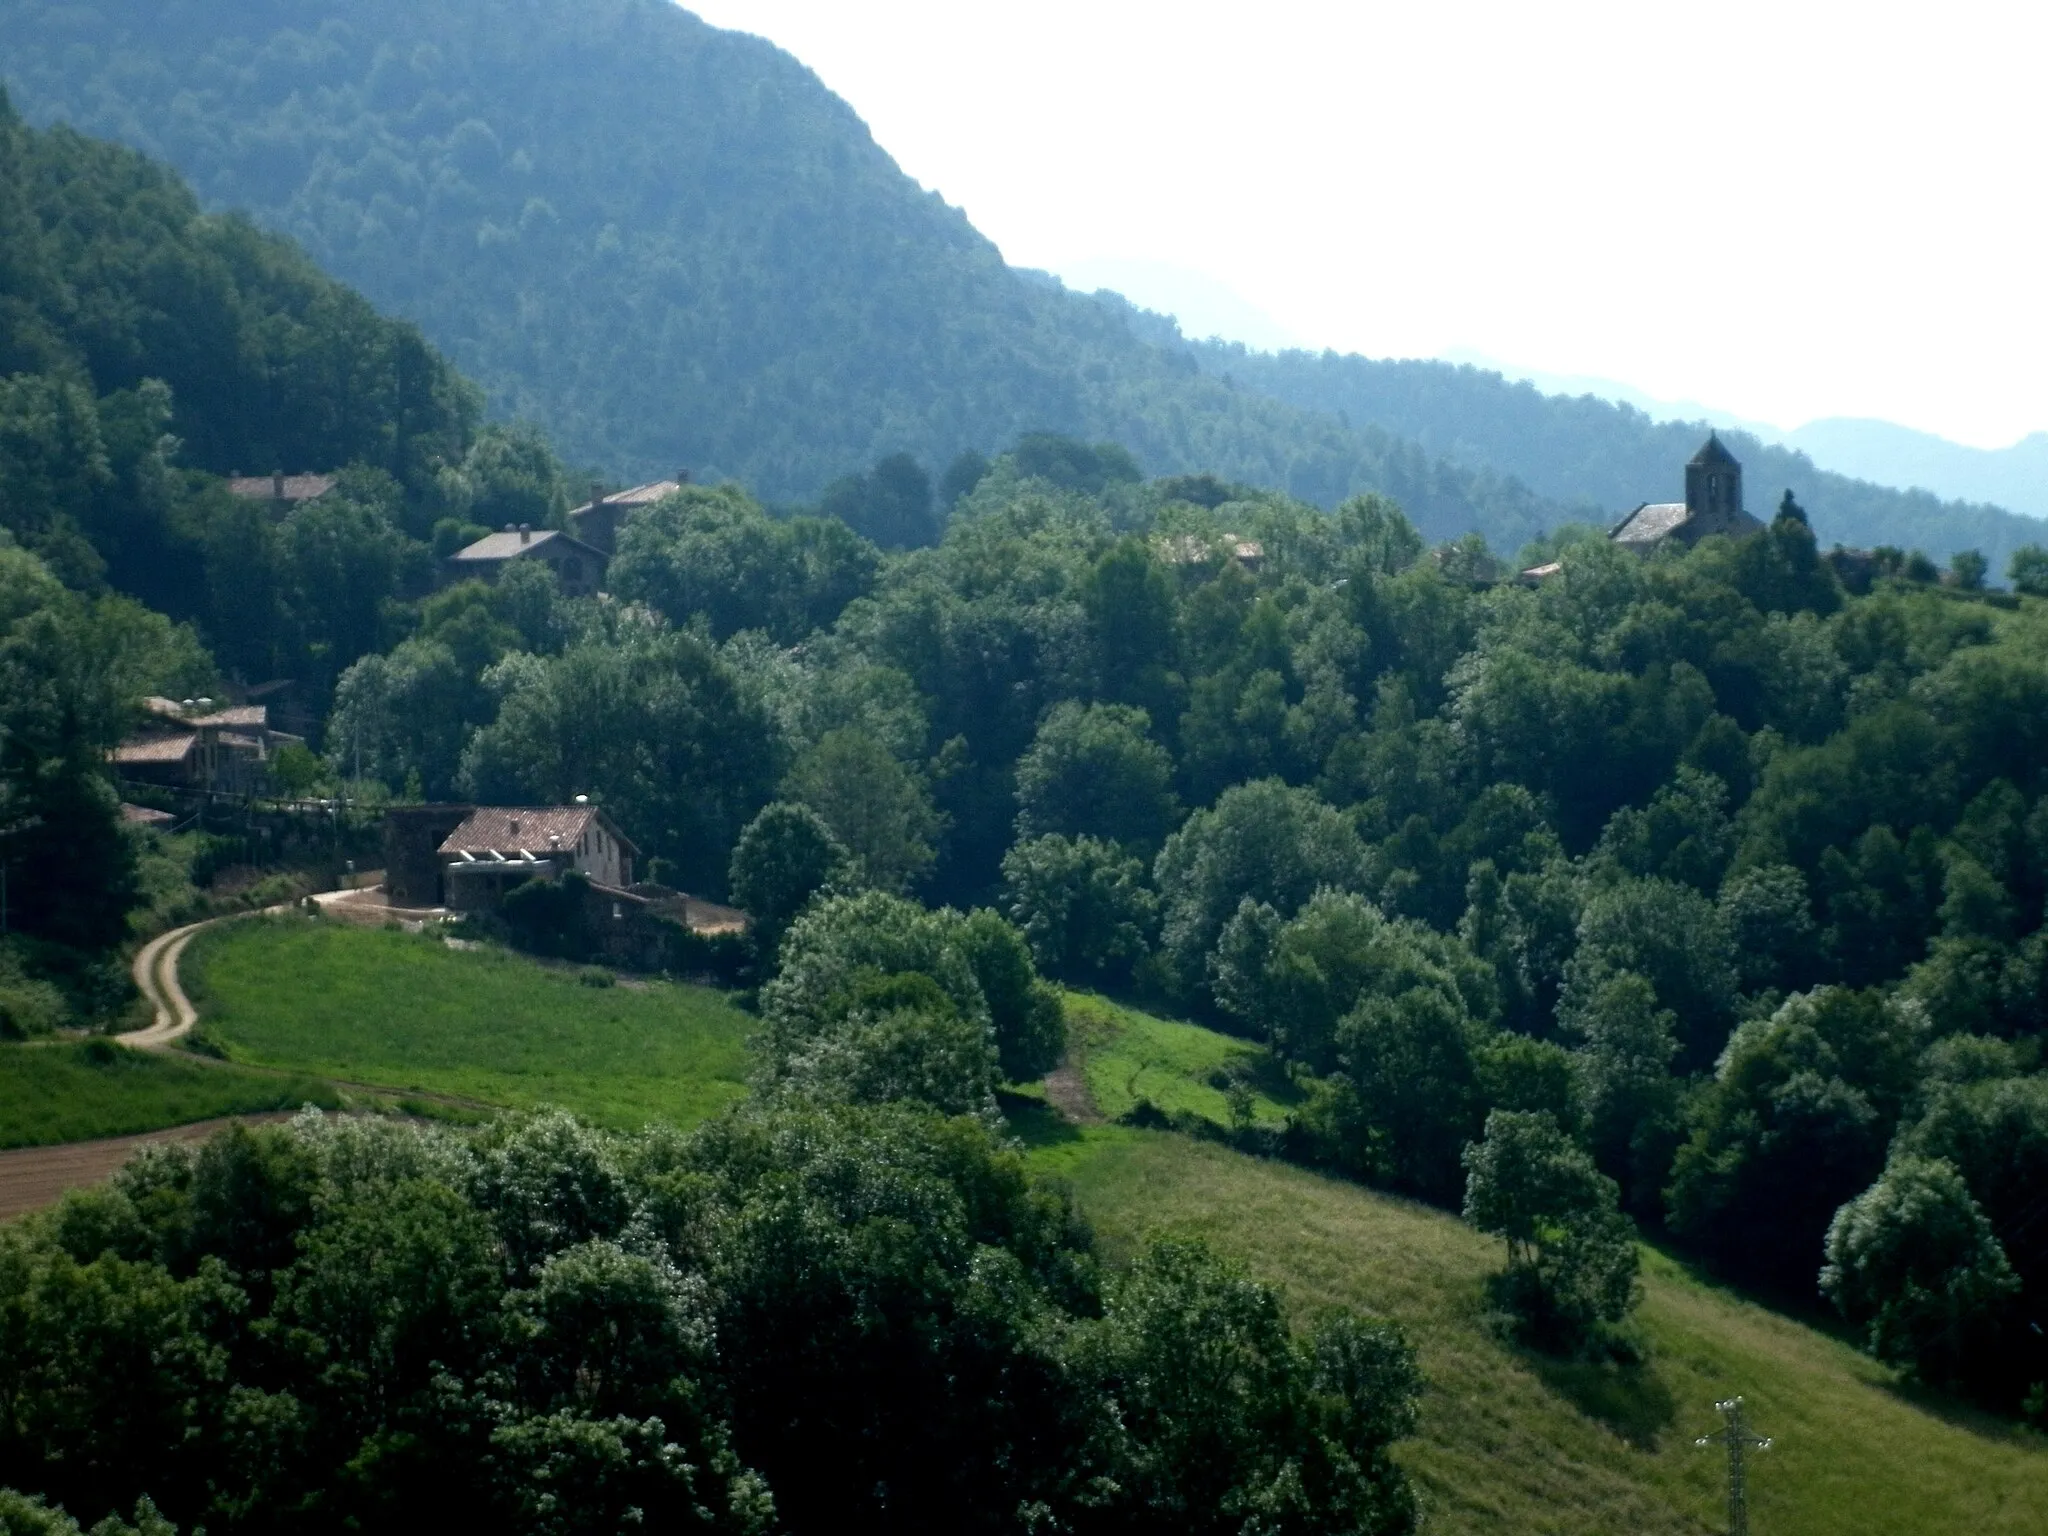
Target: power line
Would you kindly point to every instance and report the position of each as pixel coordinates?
(1736, 1436)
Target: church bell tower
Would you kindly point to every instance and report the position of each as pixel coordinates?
(1713, 488)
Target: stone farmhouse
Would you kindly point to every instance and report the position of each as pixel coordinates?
(466, 857)
(578, 567)
(597, 521)
(194, 746)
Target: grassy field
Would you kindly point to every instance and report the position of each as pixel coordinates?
(80, 1091)
(1514, 1443)
(1125, 1055)
(405, 1012)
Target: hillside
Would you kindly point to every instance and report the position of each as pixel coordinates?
(1613, 456)
(1511, 1442)
(667, 244)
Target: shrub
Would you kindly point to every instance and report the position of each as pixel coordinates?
(1914, 1264)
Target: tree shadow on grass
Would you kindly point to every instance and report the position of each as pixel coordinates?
(1630, 1400)
(1034, 1122)
(1960, 1413)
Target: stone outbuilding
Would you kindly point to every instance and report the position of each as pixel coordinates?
(578, 567)
(1712, 505)
(281, 493)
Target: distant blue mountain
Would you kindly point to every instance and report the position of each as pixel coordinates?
(2015, 477)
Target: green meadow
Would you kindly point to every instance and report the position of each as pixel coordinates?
(1125, 1055)
(406, 1013)
(80, 1090)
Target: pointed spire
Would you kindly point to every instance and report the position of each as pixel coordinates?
(1713, 451)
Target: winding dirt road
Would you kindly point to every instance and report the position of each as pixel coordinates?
(156, 976)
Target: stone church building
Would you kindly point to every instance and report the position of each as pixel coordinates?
(1713, 504)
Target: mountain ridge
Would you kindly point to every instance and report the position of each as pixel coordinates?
(670, 245)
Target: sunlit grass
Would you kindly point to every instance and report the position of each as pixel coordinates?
(405, 1012)
(1510, 1442)
(83, 1090)
(1126, 1055)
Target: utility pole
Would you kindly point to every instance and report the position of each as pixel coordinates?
(1736, 1436)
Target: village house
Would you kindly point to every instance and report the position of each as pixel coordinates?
(494, 847)
(280, 492)
(194, 746)
(466, 859)
(597, 521)
(578, 567)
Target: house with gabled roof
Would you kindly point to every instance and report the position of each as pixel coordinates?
(194, 745)
(597, 521)
(578, 567)
(496, 847)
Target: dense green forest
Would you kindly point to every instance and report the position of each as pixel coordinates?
(1730, 871)
(1589, 450)
(801, 1318)
(671, 246)
(147, 350)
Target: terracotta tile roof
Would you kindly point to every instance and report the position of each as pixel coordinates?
(1650, 522)
(511, 827)
(285, 488)
(155, 749)
(508, 546)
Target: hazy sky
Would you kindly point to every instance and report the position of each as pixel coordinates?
(1787, 210)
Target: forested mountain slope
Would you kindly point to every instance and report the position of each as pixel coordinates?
(670, 245)
(147, 349)
(1588, 449)
(667, 244)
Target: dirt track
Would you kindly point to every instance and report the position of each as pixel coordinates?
(156, 977)
(33, 1177)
